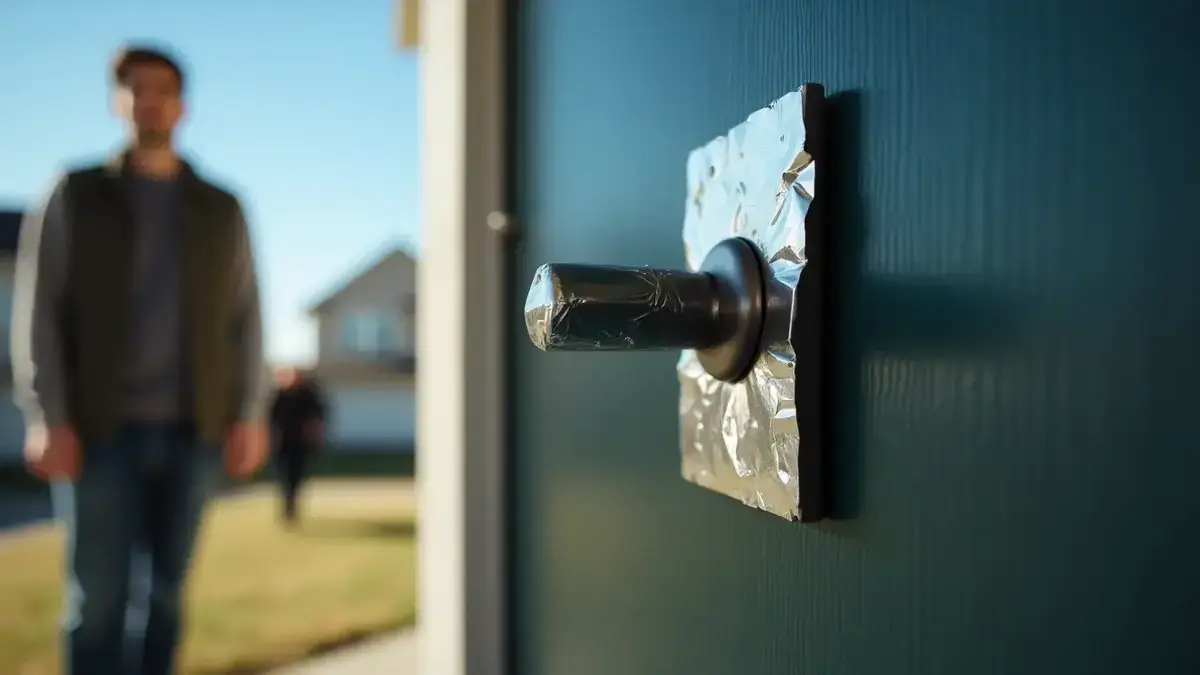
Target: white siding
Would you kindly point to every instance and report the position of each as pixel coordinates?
(372, 417)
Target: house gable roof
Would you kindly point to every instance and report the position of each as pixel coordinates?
(356, 274)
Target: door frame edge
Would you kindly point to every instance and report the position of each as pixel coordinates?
(461, 431)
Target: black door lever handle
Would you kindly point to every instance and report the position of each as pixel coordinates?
(718, 311)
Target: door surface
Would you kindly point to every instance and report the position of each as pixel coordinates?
(1015, 463)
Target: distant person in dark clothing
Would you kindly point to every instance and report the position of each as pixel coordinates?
(298, 427)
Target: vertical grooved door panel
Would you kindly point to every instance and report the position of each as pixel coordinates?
(1016, 464)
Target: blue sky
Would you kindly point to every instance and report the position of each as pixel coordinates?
(306, 109)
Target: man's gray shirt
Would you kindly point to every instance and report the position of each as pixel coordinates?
(158, 378)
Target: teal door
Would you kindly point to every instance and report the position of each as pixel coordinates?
(1016, 461)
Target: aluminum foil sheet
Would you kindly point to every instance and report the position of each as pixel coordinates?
(756, 182)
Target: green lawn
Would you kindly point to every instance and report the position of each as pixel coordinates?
(260, 596)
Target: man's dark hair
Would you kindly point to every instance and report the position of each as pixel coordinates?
(136, 55)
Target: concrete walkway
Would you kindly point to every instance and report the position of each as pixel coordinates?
(391, 655)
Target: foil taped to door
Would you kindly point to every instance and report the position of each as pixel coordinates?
(758, 182)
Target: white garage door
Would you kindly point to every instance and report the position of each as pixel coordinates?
(370, 417)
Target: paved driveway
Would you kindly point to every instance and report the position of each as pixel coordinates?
(391, 655)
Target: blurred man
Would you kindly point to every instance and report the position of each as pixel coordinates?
(298, 422)
(137, 354)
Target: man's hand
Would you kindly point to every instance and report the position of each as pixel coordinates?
(52, 452)
(246, 449)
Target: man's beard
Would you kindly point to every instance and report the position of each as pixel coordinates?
(153, 138)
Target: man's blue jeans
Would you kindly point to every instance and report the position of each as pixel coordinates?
(132, 518)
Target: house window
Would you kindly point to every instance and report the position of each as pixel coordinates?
(368, 333)
(401, 339)
(405, 315)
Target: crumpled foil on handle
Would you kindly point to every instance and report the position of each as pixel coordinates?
(757, 182)
(612, 308)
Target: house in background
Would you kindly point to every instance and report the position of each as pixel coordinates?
(366, 363)
(12, 429)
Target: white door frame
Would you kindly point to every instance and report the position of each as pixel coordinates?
(460, 349)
